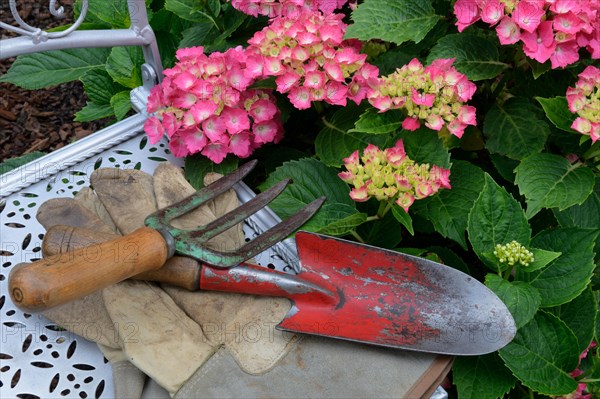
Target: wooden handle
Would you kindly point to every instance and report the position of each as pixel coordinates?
(68, 276)
(179, 271)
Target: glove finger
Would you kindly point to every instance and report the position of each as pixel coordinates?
(127, 195)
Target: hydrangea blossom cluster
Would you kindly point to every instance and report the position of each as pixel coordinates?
(310, 60)
(552, 30)
(435, 94)
(204, 105)
(286, 8)
(584, 100)
(390, 175)
(513, 253)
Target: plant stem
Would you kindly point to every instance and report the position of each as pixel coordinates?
(357, 236)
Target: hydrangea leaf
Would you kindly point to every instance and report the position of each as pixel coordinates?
(99, 86)
(580, 316)
(521, 299)
(496, 218)
(93, 111)
(481, 377)
(197, 166)
(475, 56)
(541, 257)
(557, 111)
(586, 215)
(375, 122)
(570, 273)
(542, 354)
(385, 233)
(404, 218)
(123, 65)
(513, 129)
(121, 104)
(311, 179)
(424, 146)
(549, 181)
(50, 68)
(334, 142)
(335, 220)
(191, 10)
(448, 210)
(394, 21)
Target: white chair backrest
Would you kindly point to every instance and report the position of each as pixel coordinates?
(33, 39)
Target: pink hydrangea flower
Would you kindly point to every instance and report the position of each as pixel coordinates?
(310, 60)
(434, 95)
(286, 8)
(204, 105)
(584, 101)
(390, 175)
(552, 30)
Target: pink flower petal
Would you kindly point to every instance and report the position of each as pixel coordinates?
(508, 31)
(216, 151)
(300, 97)
(236, 120)
(265, 132)
(410, 123)
(240, 145)
(263, 110)
(154, 129)
(178, 147)
(528, 15)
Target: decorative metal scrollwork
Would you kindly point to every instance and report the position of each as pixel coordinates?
(37, 34)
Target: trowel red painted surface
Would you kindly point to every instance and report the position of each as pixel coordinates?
(366, 294)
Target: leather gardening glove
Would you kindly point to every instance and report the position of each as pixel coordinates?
(240, 324)
(139, 324)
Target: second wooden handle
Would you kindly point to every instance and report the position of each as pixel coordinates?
(65, 277)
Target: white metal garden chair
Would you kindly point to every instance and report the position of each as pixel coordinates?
(38, 358)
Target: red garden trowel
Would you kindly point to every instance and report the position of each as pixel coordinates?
(345, 290)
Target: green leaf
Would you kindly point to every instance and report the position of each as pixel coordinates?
(395, 21)
(448, 210)
(200, 33)
(375, 122)
(568, 275)
(520, 298)
(586, 215)
(197, 166)
(36, 71)
(191, 10)
(14, 163)
(114, 12)
(93, 111)
(557, 110)
(475, 56)
(580, 316)
(334, 142)
(505, 166)
(121, 104)
(549, 181)
(335, 220)
(99, 86)
(123, 65)
(481, 377)
(542, 354)
(513, 129)
(541, 259)
(424, 146)
(403, 217)
(496, 218)
(311, 179)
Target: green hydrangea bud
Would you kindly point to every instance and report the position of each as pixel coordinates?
(513, 253)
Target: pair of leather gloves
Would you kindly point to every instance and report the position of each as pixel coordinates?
(164, 332)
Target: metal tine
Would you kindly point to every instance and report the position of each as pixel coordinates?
(278, 232)
(207, 193)
(237, 215)
(225, 260)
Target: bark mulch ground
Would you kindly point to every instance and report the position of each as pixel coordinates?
(38, 120)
